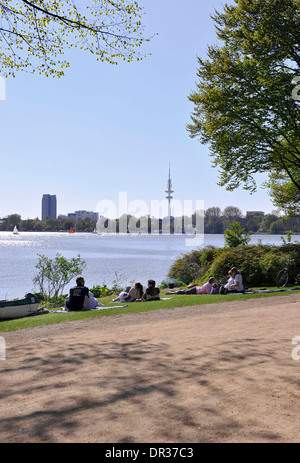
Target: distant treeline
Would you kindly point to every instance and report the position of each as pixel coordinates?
(215, 222)
(47, 225)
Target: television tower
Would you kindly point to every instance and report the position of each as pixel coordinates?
(169, 192)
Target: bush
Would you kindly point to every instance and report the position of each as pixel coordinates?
(249, 261)
(101, 291)
(186, 268)
(192, 266)
(258, 264)
(51, 302)
(165, 283)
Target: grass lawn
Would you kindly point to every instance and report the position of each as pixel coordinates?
(134, 307)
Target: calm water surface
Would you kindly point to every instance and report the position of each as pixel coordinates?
(108, 257)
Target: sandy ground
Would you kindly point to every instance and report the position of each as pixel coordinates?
(214, 373)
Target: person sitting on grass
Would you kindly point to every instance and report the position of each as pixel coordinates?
(152, 293)
(134, 294)
(237, 286)
(93, 300)
(78, 298)
(194, 289)
(230, 280)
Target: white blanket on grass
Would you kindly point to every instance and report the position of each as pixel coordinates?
(96, 308)
(100, 307)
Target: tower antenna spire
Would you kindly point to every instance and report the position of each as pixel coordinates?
(169, 192)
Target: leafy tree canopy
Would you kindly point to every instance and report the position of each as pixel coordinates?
(245, 105)
(34, 34)
(55, 274)
(284, 193)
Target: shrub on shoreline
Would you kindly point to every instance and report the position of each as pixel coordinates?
(259, 264)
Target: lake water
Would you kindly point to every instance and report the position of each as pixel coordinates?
(108, 257)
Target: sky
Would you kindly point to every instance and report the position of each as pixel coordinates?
(102, 131)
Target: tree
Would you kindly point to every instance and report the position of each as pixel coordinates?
(232, 214)
(13, 220)
(213, 213)
(34, 34)
(277, 227)
(284, 193)
(253, 222)
(29, 224)
(213, 221)
(267, 221)
(236, 236)
(55, 274)
(245, 104)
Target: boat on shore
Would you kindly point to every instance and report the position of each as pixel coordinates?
(19, 308)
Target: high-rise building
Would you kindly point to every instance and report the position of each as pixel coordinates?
(94, 216)
(49, 207)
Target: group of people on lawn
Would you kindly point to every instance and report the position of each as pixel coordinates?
(234, 284)
(80, 298)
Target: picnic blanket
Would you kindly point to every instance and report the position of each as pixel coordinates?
(99, 307)
(265, 290)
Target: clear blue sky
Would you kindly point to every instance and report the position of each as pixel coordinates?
(105, 129)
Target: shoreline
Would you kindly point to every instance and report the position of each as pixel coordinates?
(155, 233)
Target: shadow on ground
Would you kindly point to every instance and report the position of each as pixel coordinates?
(145, 392)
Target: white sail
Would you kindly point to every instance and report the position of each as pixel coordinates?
(15, 231)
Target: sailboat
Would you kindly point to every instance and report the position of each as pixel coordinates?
(71, 230)
(15, 230)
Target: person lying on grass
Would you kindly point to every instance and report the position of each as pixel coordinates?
(194, 289)
(133, 295)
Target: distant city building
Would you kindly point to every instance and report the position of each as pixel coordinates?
(81, 215)
(49, 207)
(254, 213)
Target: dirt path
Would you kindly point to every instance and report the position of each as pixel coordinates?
(214, 373)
